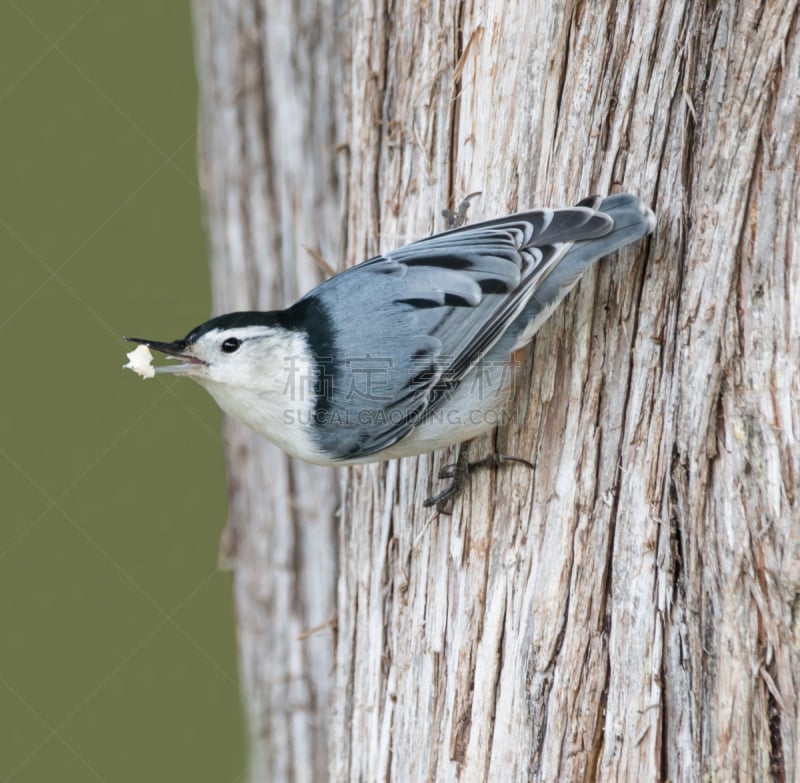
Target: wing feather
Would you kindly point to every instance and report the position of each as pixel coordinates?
(433, 309)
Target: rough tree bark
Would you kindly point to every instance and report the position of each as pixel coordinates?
(628, 611)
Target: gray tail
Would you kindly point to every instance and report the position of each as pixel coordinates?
(633, 219)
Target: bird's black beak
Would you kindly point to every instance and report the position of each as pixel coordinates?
(177, 349)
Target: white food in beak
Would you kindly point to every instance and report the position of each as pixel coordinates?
(141, 362)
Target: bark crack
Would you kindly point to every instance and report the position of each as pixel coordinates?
(455, 103)
(598, 741)
(383, 119)
(777, 766)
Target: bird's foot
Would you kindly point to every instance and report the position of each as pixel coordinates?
(458, 218)
(459, 471)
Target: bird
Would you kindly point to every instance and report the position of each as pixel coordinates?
(410, 351)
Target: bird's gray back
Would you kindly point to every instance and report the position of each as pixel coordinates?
(411, 324)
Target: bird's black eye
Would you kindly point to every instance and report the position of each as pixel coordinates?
(231, 345)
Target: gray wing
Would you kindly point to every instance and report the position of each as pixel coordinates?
(412, 323)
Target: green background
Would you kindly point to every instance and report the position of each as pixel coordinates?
(117, 646)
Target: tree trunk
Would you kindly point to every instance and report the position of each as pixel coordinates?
(628, 610)
(269, 175)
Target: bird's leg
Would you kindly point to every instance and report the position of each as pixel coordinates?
(459, 217)
(460, 470)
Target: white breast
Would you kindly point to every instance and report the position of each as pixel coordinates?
(278, 400)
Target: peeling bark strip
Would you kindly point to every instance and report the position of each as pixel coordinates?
(630, 611)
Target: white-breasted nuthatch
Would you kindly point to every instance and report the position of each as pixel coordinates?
(409, 351)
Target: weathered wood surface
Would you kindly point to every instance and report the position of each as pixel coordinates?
(627, 611)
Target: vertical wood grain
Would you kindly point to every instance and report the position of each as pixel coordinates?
(628, 610)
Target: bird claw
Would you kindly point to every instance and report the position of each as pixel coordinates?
(459, 472)
(459, 217)
(441, 500)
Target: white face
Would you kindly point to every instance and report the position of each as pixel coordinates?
(262, 375)
(251, 357)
